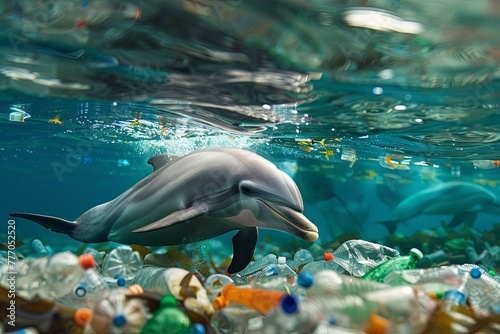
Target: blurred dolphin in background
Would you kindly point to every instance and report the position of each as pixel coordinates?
(463, 200)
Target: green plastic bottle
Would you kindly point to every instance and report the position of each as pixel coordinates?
(167, 319)
(399, 263)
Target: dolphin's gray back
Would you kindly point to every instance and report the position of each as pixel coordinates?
(194, 177)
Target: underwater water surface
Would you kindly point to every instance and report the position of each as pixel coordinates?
(363, 103)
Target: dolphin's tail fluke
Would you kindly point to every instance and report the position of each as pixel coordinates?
(390, 225)
(52, 223)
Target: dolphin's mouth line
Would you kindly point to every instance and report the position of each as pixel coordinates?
(286, 218)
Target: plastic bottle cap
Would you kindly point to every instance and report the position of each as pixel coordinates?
(281, 260)
(376, 324)
(121, 281)
(219, 303)
(198, 329)
(86, 261)
(136, 289)
(83, 316)
(475, 273)
(305, 279)
(119, 320)
(81, 290)
(454, 295)
(417, 253)
(328, 256)
(289, 304)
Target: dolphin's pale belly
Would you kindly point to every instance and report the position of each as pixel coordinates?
(186, 232)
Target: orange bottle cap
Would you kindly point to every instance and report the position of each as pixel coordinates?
(83, 316)
(136, 289)
(377, 324)
(87, 261)
(328, 256)
(220, 302)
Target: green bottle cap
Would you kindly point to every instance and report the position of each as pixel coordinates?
(416, 253)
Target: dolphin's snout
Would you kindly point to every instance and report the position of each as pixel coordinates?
(311, 236)
(289, 220)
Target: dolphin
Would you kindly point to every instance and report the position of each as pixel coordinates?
(196, 197)
(464, 200)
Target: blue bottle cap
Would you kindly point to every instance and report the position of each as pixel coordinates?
(305, 279)
(119, 320)
(198, 329)
(454, 295)
(121, 281)
(289, 304)
(81, 290)
(475, 273)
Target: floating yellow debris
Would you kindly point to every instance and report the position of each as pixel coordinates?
(55, 120)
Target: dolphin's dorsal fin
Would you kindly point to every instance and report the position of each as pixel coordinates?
(175, 217)
(243, 247)
(161, 160)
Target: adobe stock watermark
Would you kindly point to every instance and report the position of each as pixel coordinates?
(75, 156)
(11, 272)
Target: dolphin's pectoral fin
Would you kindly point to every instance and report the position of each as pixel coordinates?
(464, 217)
(52, 223)
(175, 218)
(161, 160)
(243, 247)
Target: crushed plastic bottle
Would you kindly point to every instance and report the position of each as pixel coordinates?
(354, 256)
(236, 319)
(49, 277)
(400, 263)
(458, 296)
(329, 282)
(266, 266)
(121, 262)
(394, 310)
(116, 314)
(301, 258)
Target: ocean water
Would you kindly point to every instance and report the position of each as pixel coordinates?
(363, 102)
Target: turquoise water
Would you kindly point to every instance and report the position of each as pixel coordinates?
(385, 113)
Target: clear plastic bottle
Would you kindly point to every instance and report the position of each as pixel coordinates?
(116, 314)
(49, 277)
(236, 319)
(394, 310)
(458, 296)
(359, 256)
(400, 263)
(446, 275)
(266, 266)
(284, 270)
(301, 258)
(326, 264)
(329, 282)
(121, 262)
(214, 284)
(483, 292)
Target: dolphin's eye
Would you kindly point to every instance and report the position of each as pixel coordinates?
(245, 189)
